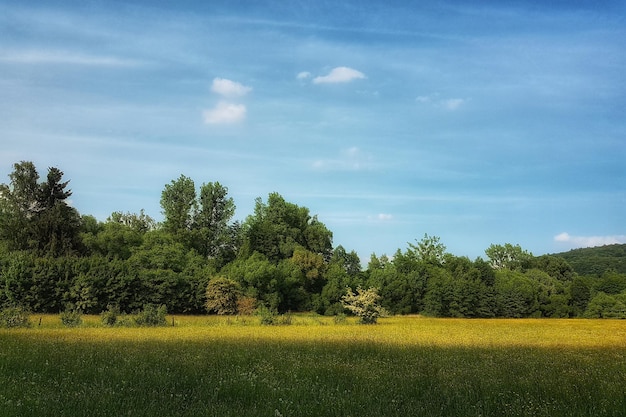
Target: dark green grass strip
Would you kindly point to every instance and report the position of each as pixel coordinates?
(239, 378)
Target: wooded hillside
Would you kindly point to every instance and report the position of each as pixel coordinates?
(598, 260)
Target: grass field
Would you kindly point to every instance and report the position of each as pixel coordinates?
(403, 366)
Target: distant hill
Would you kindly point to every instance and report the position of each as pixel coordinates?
(594, 261)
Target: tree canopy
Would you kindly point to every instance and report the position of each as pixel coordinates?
(281, 258)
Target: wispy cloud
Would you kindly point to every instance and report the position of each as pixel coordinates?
(339, 75)
(351, 159)
(65, 57)
(436, 100)
(589, 241)
(229, 88)
(303, 75)
(225, 113)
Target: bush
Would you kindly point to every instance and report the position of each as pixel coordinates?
(151, 315)
(221, 296)
(364, 305)
(71, 318)
(340, 318)
(14, 315)
(110, 316)
(246, 306)
(268, 317)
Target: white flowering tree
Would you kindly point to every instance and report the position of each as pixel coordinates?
(364, 304)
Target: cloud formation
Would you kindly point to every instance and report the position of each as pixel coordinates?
(303, 75)
(589, 241)
(435, 100)
(225, 113)
(229, 88)
(339, 75)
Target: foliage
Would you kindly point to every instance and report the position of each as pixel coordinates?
(151, 315)
(607, 306)
(110, 316)
(36, 216)
(71, 318)
(222, 295)
(364, 304)
(597, 260)
(14, 315)
(429, 250)
(508, 256)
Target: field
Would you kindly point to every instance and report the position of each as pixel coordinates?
(403, 366)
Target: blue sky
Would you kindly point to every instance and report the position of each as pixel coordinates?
(478, 122)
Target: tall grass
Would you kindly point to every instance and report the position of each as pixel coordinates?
(404, 366)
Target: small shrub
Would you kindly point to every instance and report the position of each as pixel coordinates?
(14, 315)
(110, 316)
(151, 315)
(340, 318)
(268, 317)
(71, 318)
(246, 306)
(284, 319)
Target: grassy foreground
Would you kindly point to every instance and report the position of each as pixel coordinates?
(403, 366)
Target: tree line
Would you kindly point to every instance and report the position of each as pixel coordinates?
(280, 258)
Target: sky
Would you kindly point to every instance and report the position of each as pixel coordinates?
(478, 122)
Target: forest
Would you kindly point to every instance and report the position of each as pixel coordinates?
(281, 258)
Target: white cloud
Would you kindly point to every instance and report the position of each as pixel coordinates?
(339, 75)
(303, 75)
(228, 88)
(589, 241)
(385, 217)
(225, 113)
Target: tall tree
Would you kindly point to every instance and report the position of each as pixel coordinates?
(36, 215)
(58, 224)
(18, 205)
(508, 256)
(178, 201)
(277, 228)
(212, 219)
(429, 250)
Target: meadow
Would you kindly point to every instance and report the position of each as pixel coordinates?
(402, 366)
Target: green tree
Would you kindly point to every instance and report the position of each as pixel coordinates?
(19, 205)
(222, 295)
(57, 223)
(178, 201)
(277, 228)
(508, 256)
(216, 238)
(429, 249)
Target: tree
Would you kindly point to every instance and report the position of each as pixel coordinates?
(57, 223)
(429, 250)
(508, 256)
(18, 206)
(222, 295)
(364, 304)
(178, 201)
(36, 215)
(277, 228)
(212, 220)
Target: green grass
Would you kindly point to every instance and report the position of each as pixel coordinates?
(408, 366)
